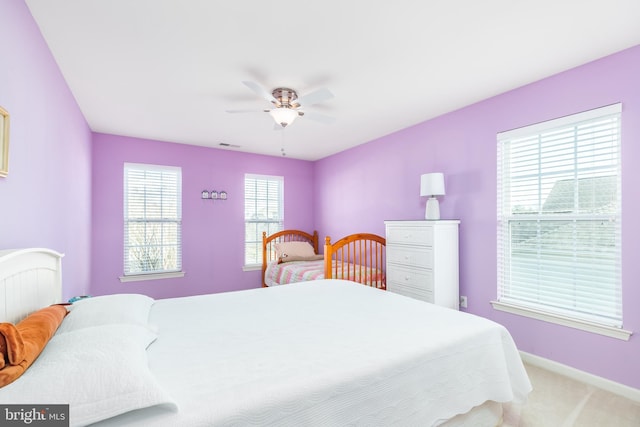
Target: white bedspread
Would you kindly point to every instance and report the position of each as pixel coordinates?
(324, 353)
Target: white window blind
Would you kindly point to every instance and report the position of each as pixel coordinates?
(263, 211)
(152, 219)
(559, 217)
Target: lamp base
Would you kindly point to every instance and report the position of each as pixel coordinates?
(433, 209)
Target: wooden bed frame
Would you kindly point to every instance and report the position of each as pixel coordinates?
(365, 250)
(269, 245)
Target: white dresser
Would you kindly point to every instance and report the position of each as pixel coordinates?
(422, 260)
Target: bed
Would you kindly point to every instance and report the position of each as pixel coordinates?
(325, 353)
(292, 256)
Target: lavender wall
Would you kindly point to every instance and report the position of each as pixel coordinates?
(212, 232)
(45, 200)
(356, 190)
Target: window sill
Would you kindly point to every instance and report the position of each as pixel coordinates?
(154, 276)
(252, 267)
(583, 325)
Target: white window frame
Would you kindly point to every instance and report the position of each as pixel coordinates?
(154, 192)
(526, 283)
(256, 215)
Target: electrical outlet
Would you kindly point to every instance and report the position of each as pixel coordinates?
(463, 302)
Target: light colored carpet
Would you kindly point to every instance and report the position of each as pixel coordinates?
(558, 401)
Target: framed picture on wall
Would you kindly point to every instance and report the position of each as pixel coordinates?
(4, 142)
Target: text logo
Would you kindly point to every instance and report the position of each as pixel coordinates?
(34, 415)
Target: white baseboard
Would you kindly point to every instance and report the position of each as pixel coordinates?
(585, 377)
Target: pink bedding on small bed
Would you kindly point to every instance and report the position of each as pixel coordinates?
(302, 271)
(292, 272)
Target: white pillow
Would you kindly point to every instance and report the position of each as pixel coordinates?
(100, 372)
(294, 249)
(132, 309)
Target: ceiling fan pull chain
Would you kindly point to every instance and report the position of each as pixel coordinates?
(282, 146)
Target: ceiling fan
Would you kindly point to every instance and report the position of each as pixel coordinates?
(287, 105)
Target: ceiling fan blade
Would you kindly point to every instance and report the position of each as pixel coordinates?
(317, 117)
(246, 111)
(315, 97)
(260, 91)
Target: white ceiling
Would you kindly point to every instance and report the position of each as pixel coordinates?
(168, 69)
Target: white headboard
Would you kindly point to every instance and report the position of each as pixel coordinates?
(30, 279)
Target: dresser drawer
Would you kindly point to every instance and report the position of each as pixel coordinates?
(414, 278)
(410, 235)
(408, 291)
(415, 257)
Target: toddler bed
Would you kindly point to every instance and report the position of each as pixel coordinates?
(291, 256)
(265, 357)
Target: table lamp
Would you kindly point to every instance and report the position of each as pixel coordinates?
(432, 185)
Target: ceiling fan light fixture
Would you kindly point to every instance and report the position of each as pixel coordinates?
(283, 116)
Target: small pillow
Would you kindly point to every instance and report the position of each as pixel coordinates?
(295, 249)
(36, 331)
(128, 309)
(11, 345)
(302, 258)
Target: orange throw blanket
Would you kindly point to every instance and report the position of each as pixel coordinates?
(20, 345)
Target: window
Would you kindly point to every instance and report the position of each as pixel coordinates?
(559, 221)
(152, 220)
(263, 211)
